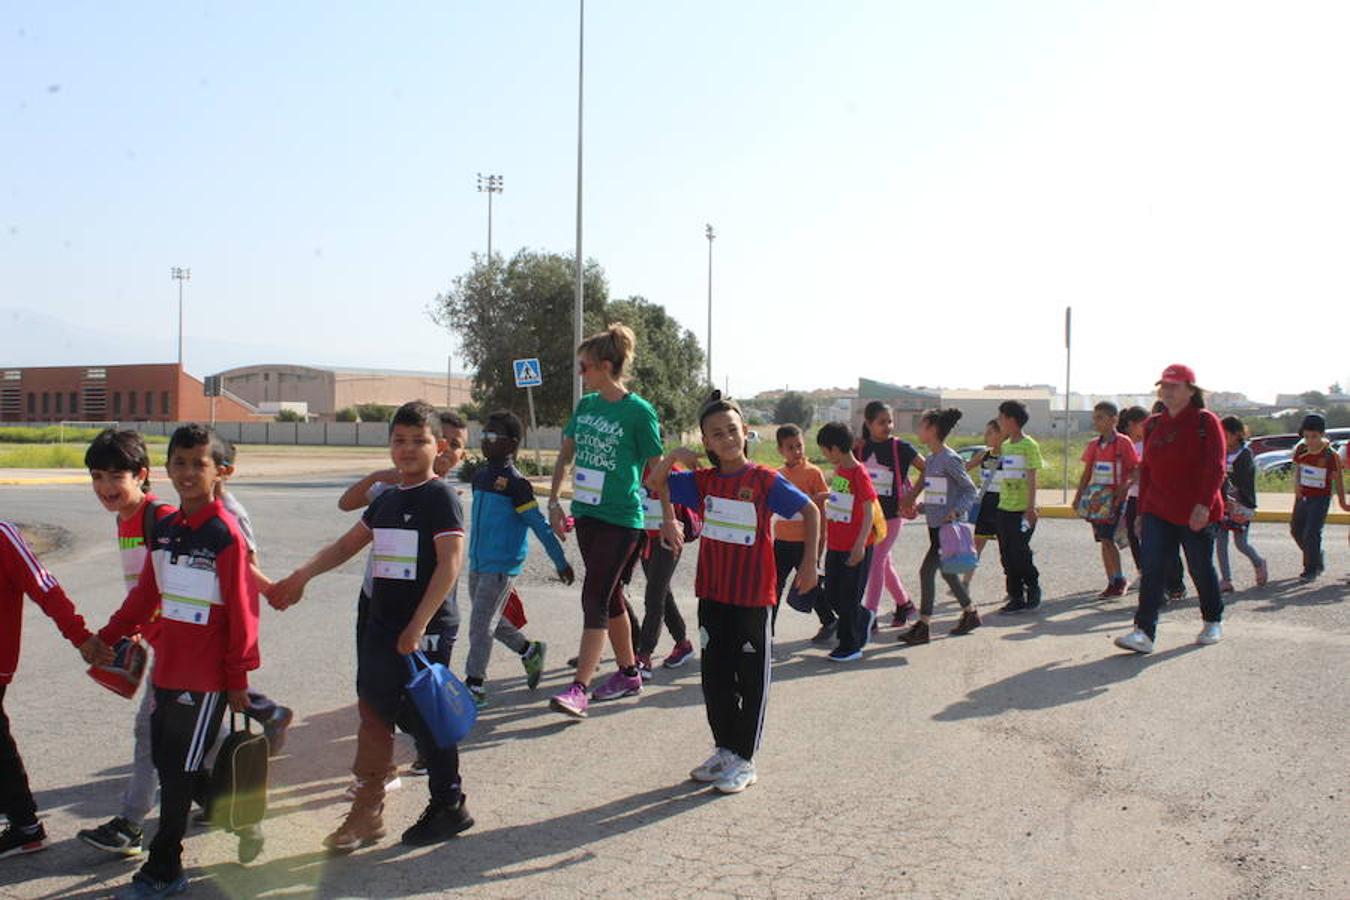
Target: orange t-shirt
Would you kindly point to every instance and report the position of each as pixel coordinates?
(808, 479)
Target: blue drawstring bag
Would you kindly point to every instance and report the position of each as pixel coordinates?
(441, 699)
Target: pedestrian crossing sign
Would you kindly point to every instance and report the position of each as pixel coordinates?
(527, 373)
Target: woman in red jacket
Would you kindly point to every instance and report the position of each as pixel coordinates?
(1180, 504)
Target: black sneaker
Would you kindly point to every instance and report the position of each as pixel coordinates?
(438, 823)
(275, 729)
(17, 839)
(1014, 605)
(826, 633)
(969, 621)
(116, 836)
(917, 634)
(418, 767)
(1033, 597)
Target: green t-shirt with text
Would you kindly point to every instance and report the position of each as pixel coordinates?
(614, 440)
(1019, 458)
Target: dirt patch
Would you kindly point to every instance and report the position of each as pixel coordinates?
(42, 538)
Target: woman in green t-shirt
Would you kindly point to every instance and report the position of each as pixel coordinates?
(612, 435)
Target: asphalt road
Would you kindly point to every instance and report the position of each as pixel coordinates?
(1029, 759)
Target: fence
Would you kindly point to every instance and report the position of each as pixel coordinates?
(312, 434)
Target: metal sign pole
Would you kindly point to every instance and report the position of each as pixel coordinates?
(534, 432)
(1068, 368)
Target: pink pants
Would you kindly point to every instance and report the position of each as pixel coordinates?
(883, 570)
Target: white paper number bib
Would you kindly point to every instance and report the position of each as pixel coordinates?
(935, 490)
(396, 554)
(1103, 473)
(839, 508)
(187, 594)
(1312, 476)
(588, 486)
(730, 521)
(1014, 467)
(651, 514)
(883, 479)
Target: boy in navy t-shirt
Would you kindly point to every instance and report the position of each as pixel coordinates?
(418, 533)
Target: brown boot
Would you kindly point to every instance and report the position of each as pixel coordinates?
(363, 826)
(917, 634)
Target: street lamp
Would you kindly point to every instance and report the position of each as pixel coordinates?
(580, 304)
(180, 275)
(489, 184)
(708, 230)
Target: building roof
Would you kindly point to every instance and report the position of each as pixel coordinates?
(881, 390)
(1001, 394)
(348, 370)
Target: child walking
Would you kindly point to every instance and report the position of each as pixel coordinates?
(1317, 469)
(659, 562)
(21, 573)
(1239, 501)
(1017, 509)
(849, 511)
(734, 581)
(1109, 465)
(984, 512)
(790, 553)
(418, 533)
(887, 459)
(197, 581)
(947, 494)
(504, 508)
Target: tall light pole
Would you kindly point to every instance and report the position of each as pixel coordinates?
(489, 184)
(580, 304)
(180, 275)
(708, 230)
(1068, 371)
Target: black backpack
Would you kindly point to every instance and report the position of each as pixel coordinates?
(239, 779)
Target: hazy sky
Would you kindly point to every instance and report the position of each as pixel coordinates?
(905, 191)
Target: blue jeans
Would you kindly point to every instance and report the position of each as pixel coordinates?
(1158, 545)
(1310, 514)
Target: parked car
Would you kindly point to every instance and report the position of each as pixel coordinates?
(1269, 442)
(968, 453)
(1281, 462)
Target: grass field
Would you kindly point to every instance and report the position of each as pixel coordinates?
(54, 434)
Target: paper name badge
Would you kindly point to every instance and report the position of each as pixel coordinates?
(588, 486)
(1103, 473)
(730, 521)
(651, 514)
(935, 490)
(1014, 467)
(395, 554)
(188, 594)
(839, 508)
(1312, 476)
(883, 479)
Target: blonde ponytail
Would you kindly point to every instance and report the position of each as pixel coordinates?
(615, 345)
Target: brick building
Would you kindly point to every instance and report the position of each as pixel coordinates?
(325, 391)
(151, 392)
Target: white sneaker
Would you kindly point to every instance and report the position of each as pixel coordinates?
(714, 767)
(1136, 641)
(738, 776)
(1212, 633)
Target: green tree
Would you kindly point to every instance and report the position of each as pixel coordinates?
(374, 412)
(793, 408)
(289, 415)
(1314, 399)
(667, 367)
(523, 308)
(346, 414)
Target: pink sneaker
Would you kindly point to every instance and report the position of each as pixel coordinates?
(616, 686)
(573, 701)
(679, 655)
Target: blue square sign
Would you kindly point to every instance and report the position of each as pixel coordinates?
(527, 373)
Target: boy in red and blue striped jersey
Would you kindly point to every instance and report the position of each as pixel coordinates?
(736, 581)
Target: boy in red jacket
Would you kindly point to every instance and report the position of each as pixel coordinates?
(21, 573)
(197, 577)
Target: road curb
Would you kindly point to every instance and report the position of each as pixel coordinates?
(54, 479)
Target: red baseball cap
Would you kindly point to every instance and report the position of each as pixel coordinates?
(1176, 373)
